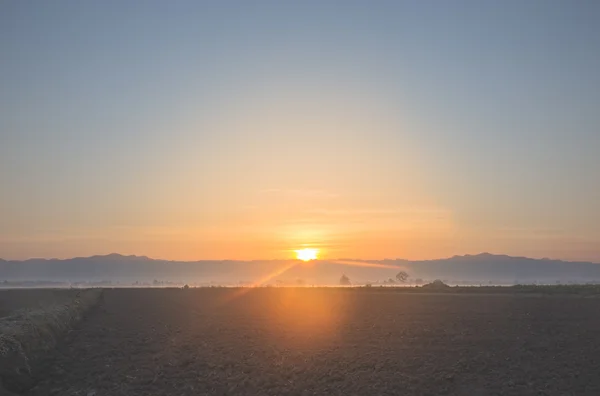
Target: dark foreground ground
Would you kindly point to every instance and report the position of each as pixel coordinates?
(327, 342)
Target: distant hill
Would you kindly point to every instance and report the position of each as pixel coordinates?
(501, 268)
(481, 268)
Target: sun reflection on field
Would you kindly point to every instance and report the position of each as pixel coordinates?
(308, 317)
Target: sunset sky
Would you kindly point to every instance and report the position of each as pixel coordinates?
(250, 129)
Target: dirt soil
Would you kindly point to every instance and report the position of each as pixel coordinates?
(280, 341)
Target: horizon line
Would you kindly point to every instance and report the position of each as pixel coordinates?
(114, 254)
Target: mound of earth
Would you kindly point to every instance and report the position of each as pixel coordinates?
(436, 285)
(26, 335)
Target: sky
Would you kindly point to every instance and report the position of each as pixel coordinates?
(249, 129)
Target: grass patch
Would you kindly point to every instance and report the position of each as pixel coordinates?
(28, 333)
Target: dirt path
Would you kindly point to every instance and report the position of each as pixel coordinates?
(316, 342)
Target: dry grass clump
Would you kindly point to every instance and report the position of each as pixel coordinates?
(436, 285)
(30, 332)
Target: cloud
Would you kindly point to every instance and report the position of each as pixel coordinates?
(301, 193)
(425, 211)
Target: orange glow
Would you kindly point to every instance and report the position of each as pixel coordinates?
(311, 317)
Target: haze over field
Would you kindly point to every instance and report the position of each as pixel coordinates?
(250, 130)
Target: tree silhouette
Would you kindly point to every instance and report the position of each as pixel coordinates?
(402, 276)
(345, 281)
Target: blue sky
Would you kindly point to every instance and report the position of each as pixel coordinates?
(156, 128)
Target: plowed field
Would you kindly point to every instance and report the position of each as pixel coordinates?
(304, 341)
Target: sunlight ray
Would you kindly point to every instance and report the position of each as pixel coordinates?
(263, 280)
(366, 264)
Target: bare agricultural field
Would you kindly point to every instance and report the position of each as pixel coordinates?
(304, 341)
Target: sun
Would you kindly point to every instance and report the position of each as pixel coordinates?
(307, 254)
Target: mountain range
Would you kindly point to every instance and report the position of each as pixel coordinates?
(480, 268)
